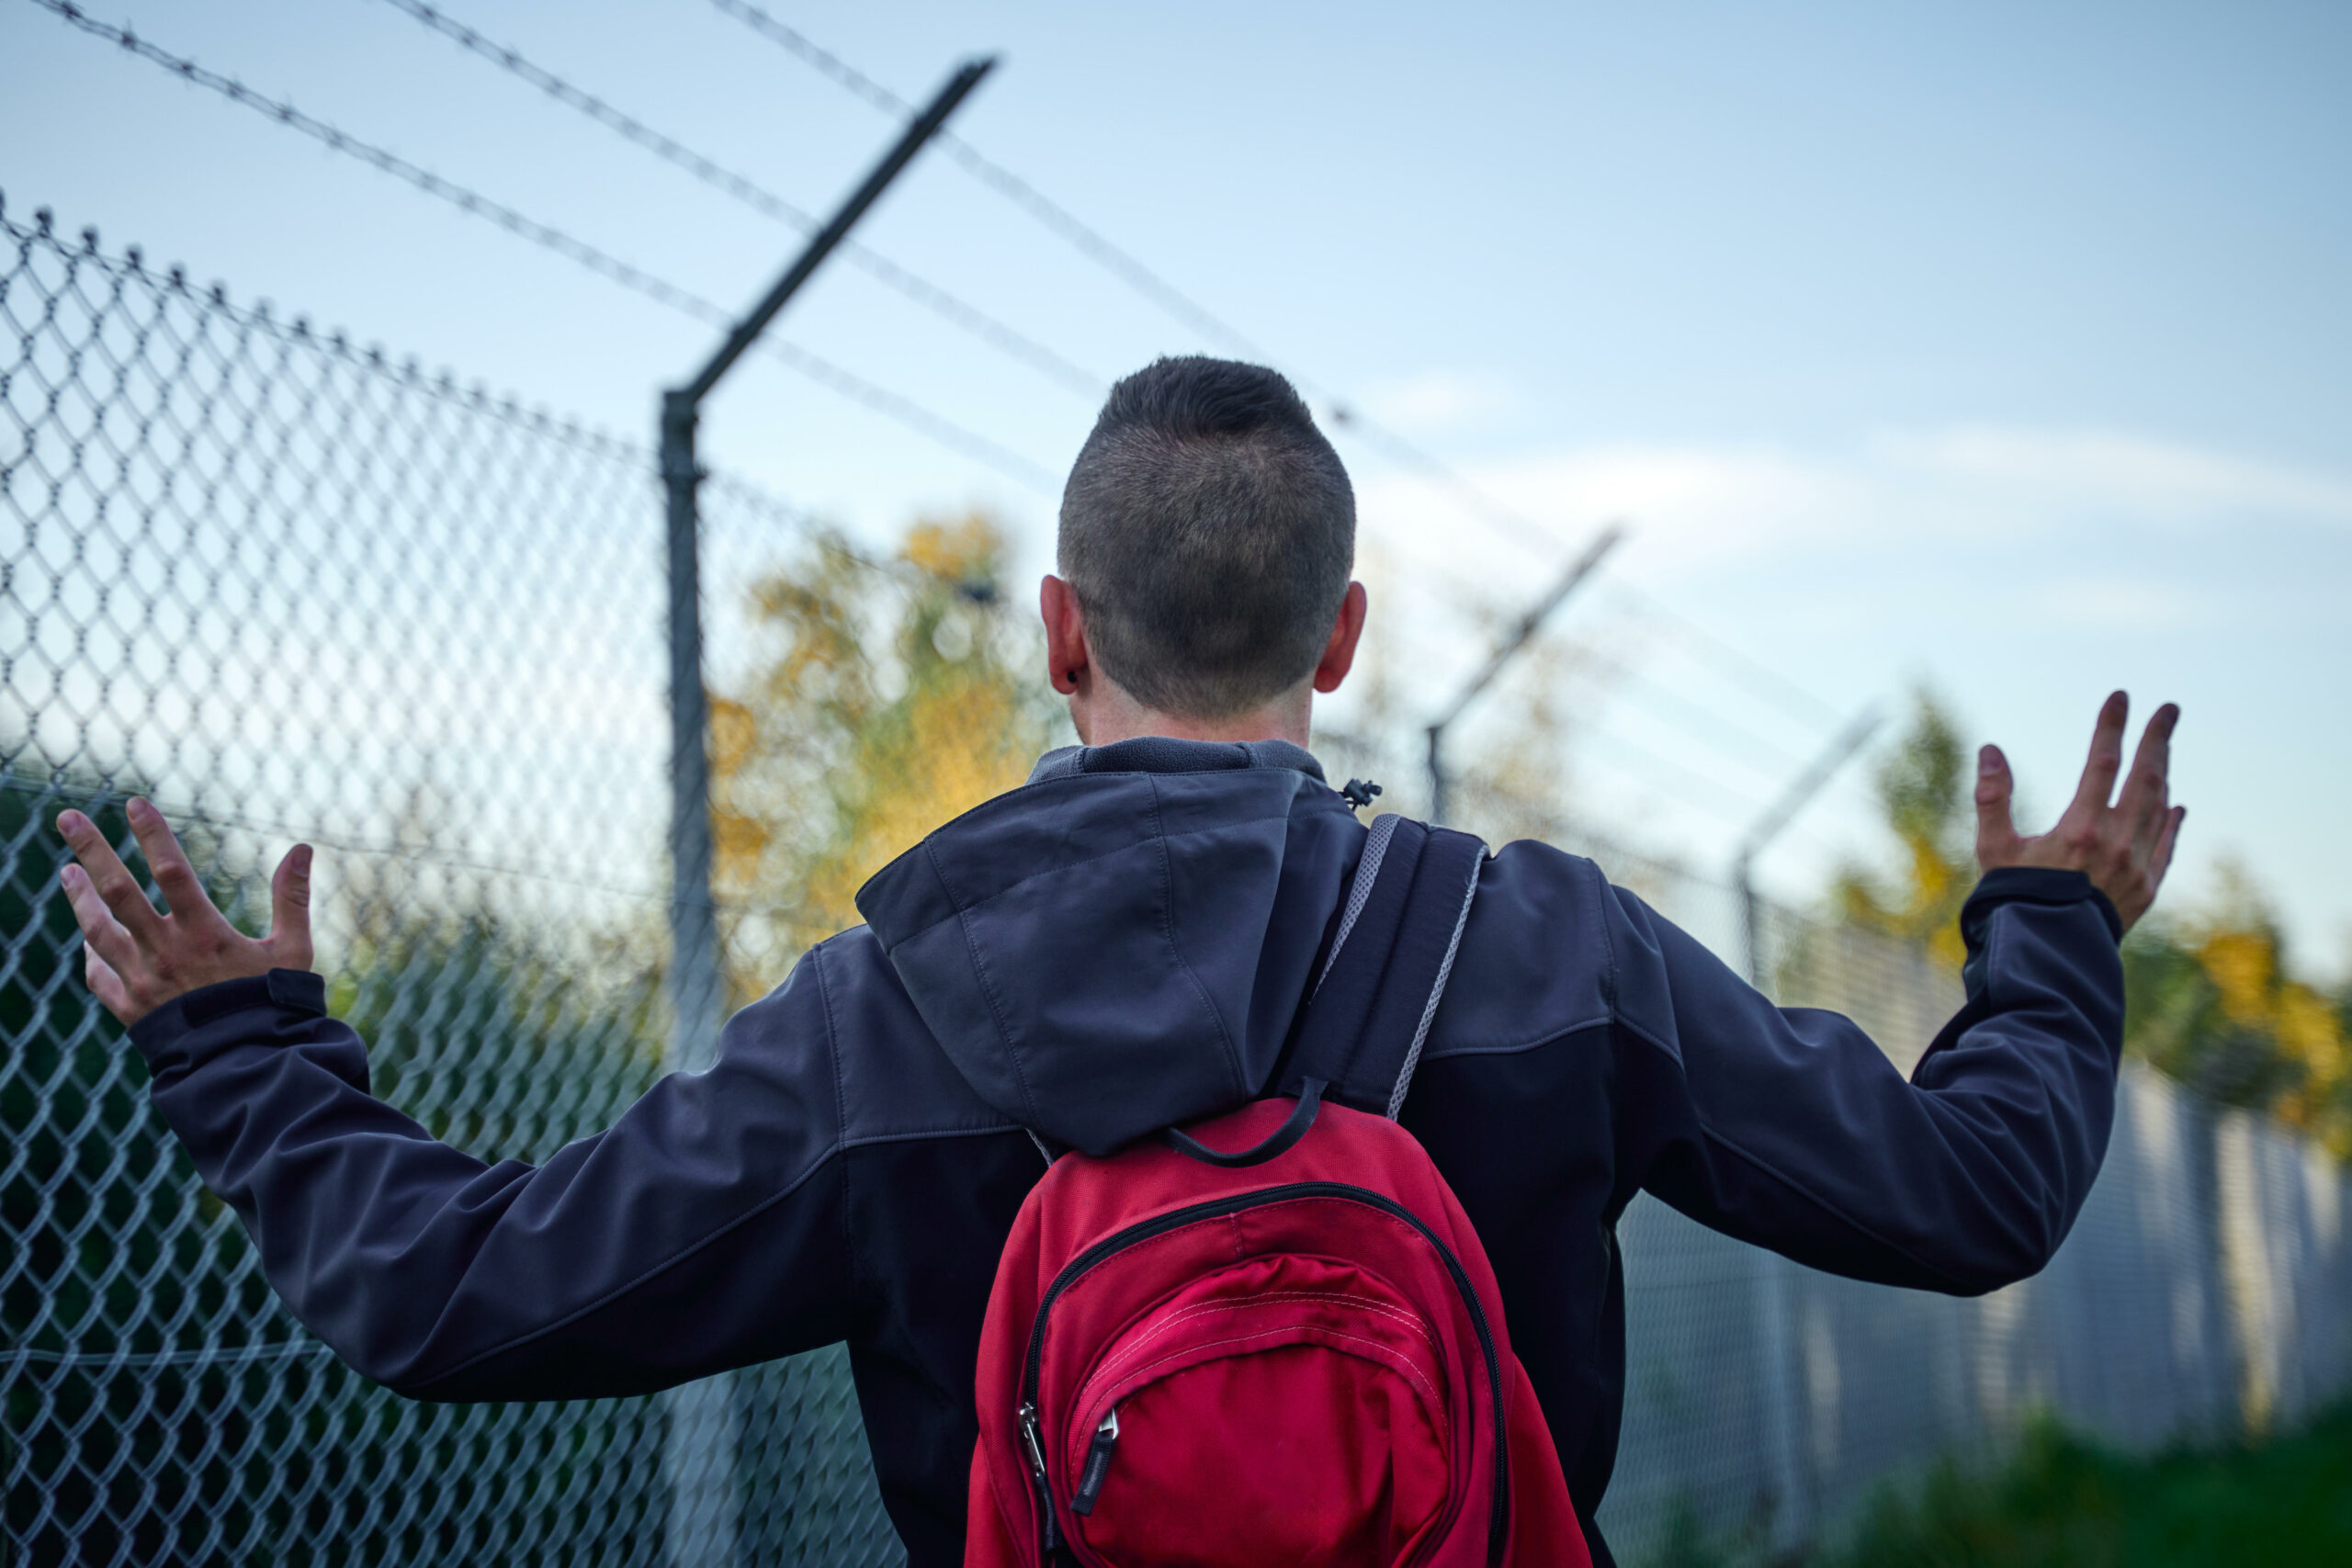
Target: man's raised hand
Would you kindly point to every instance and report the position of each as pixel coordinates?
(136, 959)
(2123, 847)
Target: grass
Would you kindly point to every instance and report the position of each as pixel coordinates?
(2064, 1500)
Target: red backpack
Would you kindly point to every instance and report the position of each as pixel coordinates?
(1274, 1338)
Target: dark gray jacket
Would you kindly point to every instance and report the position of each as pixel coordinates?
(1117, 945)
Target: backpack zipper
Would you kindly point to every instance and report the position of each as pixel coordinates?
(1217, 1208)
(1098, 1465)
(1049, 1539)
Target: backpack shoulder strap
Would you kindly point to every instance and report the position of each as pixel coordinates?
(1398, 932)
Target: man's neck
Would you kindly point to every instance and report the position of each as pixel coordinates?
(1105, 716)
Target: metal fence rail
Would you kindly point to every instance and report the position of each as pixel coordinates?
(289, 587)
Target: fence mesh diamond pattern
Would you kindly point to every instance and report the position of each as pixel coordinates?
(293, 588)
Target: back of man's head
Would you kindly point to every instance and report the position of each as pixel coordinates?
(1208, 530)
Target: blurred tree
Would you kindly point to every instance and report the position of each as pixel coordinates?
(503, 1040)
(2209, 997)
(891, 702)
(2210, 1001)
(1923, 787)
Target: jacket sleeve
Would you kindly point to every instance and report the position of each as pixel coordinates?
(1788, 1127)
(702, 1230)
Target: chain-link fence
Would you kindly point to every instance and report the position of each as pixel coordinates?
(291, 588)
(2206, 1290)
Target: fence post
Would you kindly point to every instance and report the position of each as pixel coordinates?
(703, 1421)
(2247, 1267)
(1788, 1466)
(696, 976)
(1795, 798)
(1786, 1427)
(1579, 569)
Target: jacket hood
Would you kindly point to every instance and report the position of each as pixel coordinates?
(1121, 943)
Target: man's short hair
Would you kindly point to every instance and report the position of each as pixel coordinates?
(1208, 530)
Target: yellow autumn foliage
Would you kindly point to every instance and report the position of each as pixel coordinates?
(2282, 1043)
(1923, 788)
(2209, 997)
(887, 704)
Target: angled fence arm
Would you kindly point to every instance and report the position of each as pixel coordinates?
(699, 1449)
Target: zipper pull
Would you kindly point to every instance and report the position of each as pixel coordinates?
(1098, 1465)
(1049, 1534)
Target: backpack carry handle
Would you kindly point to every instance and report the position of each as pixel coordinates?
(1301, 1117)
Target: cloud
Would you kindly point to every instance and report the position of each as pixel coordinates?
(1694, 508)
(2112, 469)
(1689, 506)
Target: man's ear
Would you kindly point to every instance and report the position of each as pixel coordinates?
(1065, 656)
(1347, 630)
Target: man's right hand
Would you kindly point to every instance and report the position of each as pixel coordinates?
(137, 959)
(2124, 848)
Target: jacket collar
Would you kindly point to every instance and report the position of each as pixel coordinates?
(1165, 754)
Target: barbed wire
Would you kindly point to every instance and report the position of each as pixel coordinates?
(1099, 248)
(1523, 529)
(844, 382)
(741, 188)
(1725, 737)
(191, 489)
(476, 398)
(441, 388)
(1528, 532)
(1052, 214)
(895, 406)
(1347, 416)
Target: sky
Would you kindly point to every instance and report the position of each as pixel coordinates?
(1996, 350)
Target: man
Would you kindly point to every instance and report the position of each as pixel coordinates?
(1122, 944)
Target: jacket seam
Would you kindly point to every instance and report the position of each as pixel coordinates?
(873, 1139)
(987, 984)
(1992, 929)
(1609, 943)
(1168, 935)
(1510, 1049)
(841, 1115)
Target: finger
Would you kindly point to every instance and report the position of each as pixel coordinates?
(107, 987)
(167, 863)
(101, 933)
(2160, 861)
(2106, 753)
(1997, 833)
(289, 910)
(2144, 791)
(115, 884)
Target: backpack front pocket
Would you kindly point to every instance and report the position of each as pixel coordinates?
(1289, 1409)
